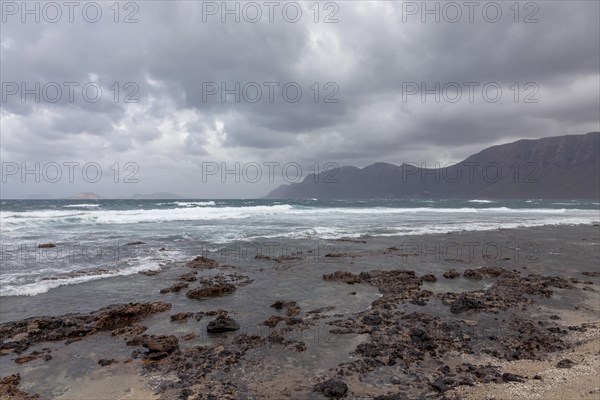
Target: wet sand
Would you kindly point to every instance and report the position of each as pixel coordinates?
(367, 331)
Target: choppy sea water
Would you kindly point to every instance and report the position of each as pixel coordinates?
(95, 235)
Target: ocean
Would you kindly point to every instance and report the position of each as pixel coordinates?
(96, 239)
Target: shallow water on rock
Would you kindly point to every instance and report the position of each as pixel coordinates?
(269, 368)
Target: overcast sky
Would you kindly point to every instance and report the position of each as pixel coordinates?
(370, 64)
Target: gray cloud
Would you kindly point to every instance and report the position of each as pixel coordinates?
(370, 56)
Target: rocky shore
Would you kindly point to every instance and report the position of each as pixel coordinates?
(438, 327)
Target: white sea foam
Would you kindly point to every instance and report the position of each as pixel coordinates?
(42, 286)
(485, 226)
(31, 219)
(194, 203)
(138, 215)
(189, 203)
(220, 225)
(320, 232)
(82, 206)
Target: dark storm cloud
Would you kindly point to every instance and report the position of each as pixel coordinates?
(367, 60)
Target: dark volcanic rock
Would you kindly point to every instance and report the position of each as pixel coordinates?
(368, 349)
(392, 396)
(579, 281)
(276, 337)
(34, 355)
(465, 303)
(162, 343)
(279, 304)
(495, 272)
(281, 259)
(193, 366)
(136, 340)
(25, 359)
(189, 277)
(443, 384)
(211, 290)
(481, 373)
(336, 255)
(429, 278)
(508, 377)
(129, 331)
(510, 290)
(452, 274)
(273, 320)
(159, 346)
(18, 335)
(565, 363)
(234, 278)
(182, 316)
(412, 341)
(350, 240)
(135, 243)
(342, 276)
(532, 284)
(595, 274)
(372, 319)
(420, 346)
(190, 336)
(202, 262)
(103, 362)
(332, 388)
(9, 389)
(46, 246)
(293, 310)
(176, 288)
(217, 285)
(120, 315)
(293, 321)
(149, 272)
(222, 324)
(397, 285)
(291, 307)
(472, 274)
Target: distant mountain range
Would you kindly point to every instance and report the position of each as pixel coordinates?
(561, 167)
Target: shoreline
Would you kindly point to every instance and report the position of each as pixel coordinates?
(264, 243)
(335, 335)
